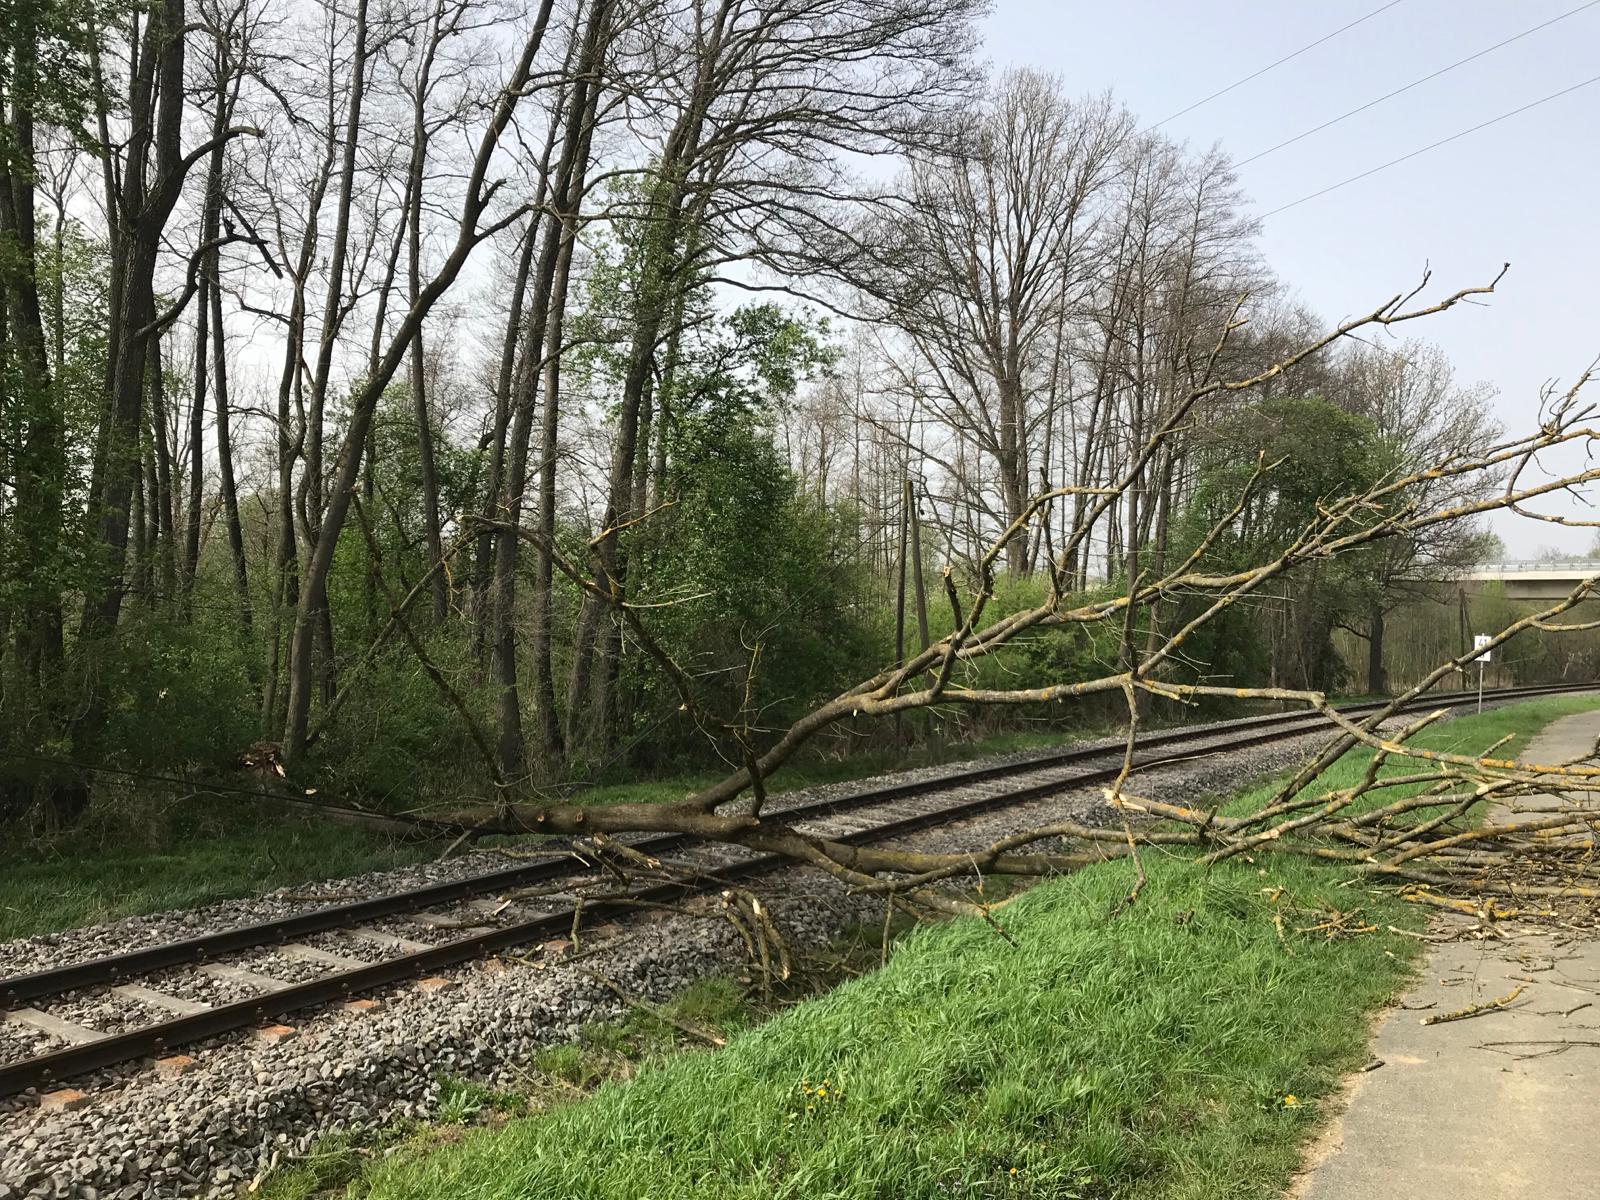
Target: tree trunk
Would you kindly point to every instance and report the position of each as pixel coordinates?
(286, 588)
(312, 613)
(551, 741)
(189, 563)
(660, 285)
(230, 488)
(439, 586)
(1377, 677)
(210, 281)
(138, 530)
(916, 566)
(166, 547)
(123, 467)
(540, 367)
(149, 191)
(39, 462)
(483, 555)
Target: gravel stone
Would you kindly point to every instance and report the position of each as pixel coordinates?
(100, 1010)
(22, 1041)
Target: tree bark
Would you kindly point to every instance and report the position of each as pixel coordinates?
(916, 565)
(166, 549)
(539, 370)
(189, 562)
(149, 191)
(483, 552)
(440, 587)
(1377, 677)
(225, 471)
(39, 463)
(210, 281)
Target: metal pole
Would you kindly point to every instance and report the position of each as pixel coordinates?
(1480, 685)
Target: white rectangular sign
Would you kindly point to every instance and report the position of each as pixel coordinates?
(1480, 642)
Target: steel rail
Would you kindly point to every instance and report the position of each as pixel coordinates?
(201, 948)
(116, 968)
(153, 1040)
(157, 1039)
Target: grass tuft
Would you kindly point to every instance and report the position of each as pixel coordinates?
(46, 888)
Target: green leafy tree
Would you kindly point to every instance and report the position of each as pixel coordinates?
(762, 589)
(1315, 452)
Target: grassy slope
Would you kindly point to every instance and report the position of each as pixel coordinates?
(1150, 1055)
(199, 851)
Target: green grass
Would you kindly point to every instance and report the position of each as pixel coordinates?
(1149, 1055)
(334, 1161)
(1471, 735)
(555, 1075)
(806, 772)
(90, 879)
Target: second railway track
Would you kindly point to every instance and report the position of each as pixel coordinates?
(243, 998)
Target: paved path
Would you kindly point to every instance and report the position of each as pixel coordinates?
(1448, 1116)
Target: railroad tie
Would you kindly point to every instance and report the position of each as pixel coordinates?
(154, 999)
(307, 953)
(262, 983)
(56, 1027)
(379, 937)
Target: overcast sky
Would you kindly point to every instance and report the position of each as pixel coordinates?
(1526, 191)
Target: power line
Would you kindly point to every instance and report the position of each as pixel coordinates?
(1418, 82)
(1327, 37)
(1394, 162)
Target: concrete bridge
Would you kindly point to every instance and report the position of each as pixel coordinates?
(1533, 579)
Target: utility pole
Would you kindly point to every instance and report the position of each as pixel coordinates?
(1481, 644)
(916, 563)
(900, 608)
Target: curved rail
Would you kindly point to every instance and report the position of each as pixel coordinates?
(159, 1038)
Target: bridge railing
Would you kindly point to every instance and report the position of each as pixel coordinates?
(1521, 566)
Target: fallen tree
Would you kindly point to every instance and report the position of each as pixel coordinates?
(1422, 837)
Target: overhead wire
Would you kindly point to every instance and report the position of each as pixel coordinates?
(1415, 83)
(1272, 66)
(1445, 141)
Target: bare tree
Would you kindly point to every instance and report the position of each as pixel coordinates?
(153, 169)
(480, 193)
(991, 256)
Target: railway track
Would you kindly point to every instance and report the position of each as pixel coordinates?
(345, 950)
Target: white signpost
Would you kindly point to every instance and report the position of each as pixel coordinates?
(1480, 643)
